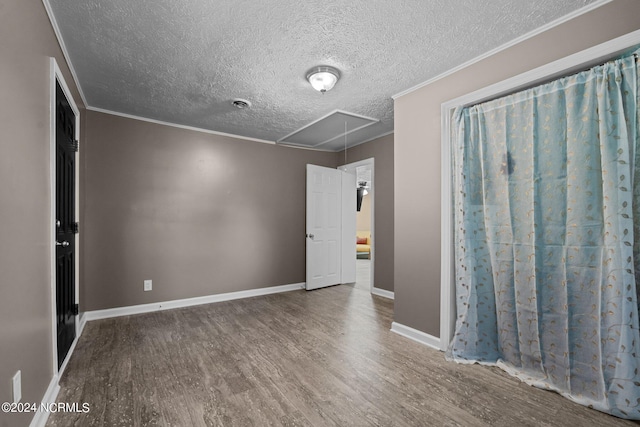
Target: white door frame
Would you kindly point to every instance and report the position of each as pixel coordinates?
(562, 67)
(56, 75)
(351, 168)
(348, 231)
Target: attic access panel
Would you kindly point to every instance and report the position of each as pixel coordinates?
(327, 129)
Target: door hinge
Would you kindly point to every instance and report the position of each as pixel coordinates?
(75, 145)
(75, 228)
(76, 309)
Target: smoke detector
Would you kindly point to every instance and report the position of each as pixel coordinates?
(241, 103)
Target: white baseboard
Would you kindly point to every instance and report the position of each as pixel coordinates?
(65, 362)
(416, 335)
(382, 293)
(187, 302)
(40, 418)
(82, 321)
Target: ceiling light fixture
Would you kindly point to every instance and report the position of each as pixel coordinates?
(323, 78)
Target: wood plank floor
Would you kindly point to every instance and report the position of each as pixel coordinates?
(320, 358)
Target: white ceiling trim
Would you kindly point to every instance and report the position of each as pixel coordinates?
(175, 125)
(63, 47)
(507, 45)
(229, 135)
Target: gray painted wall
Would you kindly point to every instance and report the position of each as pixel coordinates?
(381, 150)
(197, 213)
(25, 298)
(417, 150)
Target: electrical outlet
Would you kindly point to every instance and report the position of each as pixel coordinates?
(148, 285)
(17, 387)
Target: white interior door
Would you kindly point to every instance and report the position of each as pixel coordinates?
(324, 227)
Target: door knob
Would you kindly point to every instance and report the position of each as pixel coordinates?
(63, 244)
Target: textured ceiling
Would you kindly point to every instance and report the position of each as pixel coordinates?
(183, 61)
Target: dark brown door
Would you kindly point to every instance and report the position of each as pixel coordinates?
(66, 227)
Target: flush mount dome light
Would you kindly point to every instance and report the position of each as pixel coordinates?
(323, 78)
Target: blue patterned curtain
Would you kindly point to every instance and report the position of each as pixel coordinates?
(544, 213)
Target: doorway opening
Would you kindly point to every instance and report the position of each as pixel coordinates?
(365, 230)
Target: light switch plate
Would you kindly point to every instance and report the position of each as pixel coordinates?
(17, 386)
(148, 285)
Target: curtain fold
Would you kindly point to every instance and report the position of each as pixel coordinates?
(545, 218)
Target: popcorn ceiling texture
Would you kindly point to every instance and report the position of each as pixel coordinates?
(183, 61)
